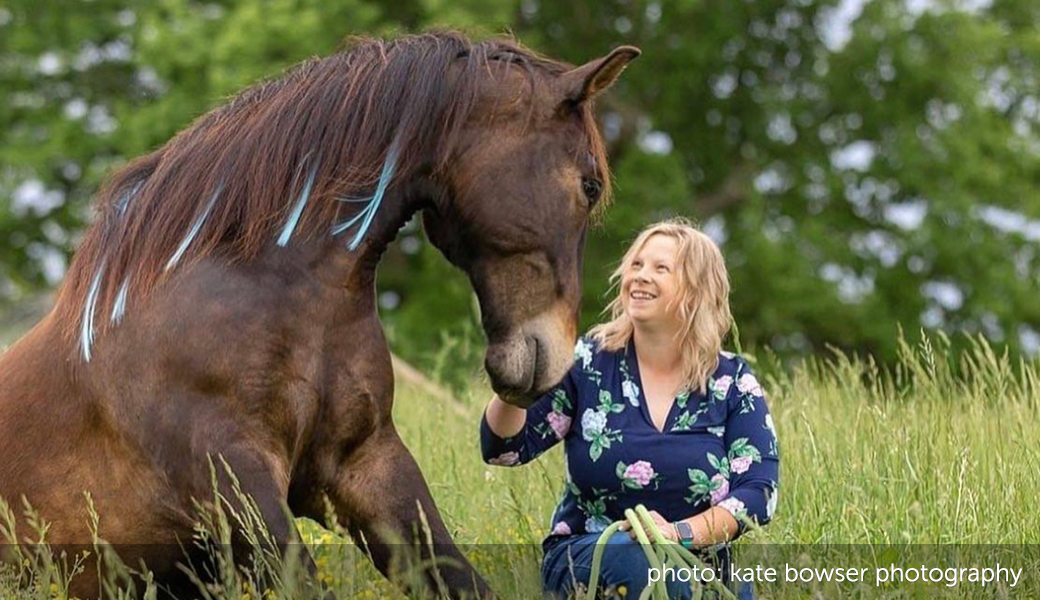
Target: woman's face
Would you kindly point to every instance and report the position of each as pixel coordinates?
(650, 286)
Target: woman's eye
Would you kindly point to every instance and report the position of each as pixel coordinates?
(592, 188)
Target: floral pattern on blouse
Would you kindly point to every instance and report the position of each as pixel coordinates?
(717, 448)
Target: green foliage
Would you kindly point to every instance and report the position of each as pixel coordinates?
(854, 183)
(757, 106)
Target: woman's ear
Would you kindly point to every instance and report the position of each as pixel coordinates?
(583, 83)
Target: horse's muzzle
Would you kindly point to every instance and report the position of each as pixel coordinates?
(512, 366)
(524, 366)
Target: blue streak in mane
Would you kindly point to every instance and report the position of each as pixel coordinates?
(338, 229)
(369, 212)
(124, 201)
(119, 307)
(86, 334)
(294, 217)
(194, 230)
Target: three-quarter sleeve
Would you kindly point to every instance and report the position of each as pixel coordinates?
(548, 421)
(752, 452)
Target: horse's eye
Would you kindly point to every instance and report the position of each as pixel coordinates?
(592, 188)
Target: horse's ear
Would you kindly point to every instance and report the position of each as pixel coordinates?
(585, 82)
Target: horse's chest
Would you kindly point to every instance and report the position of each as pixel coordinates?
(359, 394)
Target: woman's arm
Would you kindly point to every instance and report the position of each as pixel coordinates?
(752, 463)
(511, 436)
(713, 526)
(505, 420)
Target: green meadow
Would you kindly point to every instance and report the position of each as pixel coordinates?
(933, 451)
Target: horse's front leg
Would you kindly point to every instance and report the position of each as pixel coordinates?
(377, 492)
(261, 484)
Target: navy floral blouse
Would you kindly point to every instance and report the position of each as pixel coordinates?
(717, 448)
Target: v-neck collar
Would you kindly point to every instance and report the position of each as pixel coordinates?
(631, 359)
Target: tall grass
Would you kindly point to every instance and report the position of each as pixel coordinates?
(936, 450)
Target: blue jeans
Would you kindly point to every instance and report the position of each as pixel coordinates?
(623, 573)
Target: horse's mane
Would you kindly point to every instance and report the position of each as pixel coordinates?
(228, 183)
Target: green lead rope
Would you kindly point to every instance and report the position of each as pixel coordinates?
(658, 551)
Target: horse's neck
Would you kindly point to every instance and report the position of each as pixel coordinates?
(356, 269)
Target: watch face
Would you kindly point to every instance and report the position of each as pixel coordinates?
(684, 529)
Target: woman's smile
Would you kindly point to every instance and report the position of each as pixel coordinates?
(639, 296)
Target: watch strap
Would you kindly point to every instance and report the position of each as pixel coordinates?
(685, 531)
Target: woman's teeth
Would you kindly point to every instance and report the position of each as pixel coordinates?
(642, 296)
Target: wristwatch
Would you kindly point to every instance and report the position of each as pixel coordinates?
(685, 531)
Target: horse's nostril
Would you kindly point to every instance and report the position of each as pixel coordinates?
(539, 358)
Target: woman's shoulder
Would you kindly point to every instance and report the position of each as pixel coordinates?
(588, 346)
(730, 363)
(590, 354)
(732, 366)
(735, 369)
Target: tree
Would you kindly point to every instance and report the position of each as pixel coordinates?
(888, 178)
(859, 174)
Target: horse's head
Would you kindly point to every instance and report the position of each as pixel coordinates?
(518, 191)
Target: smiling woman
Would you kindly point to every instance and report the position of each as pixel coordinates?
(653, 412)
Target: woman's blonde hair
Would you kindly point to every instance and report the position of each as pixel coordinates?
(703, 301)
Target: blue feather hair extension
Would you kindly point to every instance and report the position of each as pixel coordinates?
(194, 230)
(368, 213)
(86, 334)
(119, 306)
(124, 201)
(338, 229)
(294, 216)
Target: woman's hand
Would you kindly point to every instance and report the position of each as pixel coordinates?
(663, 524)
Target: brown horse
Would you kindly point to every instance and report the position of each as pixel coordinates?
(223, 302)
